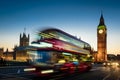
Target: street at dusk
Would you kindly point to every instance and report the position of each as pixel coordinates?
(59, 40)
(98, 72)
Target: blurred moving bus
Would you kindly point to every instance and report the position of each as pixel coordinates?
(57, 51)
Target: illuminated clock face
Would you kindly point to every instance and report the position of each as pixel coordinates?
(100, 31)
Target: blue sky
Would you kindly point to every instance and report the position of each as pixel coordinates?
(76, 17)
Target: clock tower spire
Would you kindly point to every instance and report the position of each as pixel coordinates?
(101, 41)
(101, 20)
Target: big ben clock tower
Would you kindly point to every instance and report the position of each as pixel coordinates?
(101, 41)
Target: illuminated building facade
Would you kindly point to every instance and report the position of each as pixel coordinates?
(20, 52)
(7, 55)
(101, 41)
(1, 52)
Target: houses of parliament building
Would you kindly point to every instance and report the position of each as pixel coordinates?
(19, 53)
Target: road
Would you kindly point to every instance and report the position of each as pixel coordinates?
(98, 72)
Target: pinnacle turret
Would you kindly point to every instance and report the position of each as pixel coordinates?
(101, 20)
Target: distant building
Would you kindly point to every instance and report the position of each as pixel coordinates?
(20, 52)
(1, 52)
(111, 57)
(8, 55)
(118, 57)
(24, 40)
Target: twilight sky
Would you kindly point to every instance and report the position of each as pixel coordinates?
(76, 17)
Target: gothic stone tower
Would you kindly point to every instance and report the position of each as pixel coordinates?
(101, 41)
(24, 40)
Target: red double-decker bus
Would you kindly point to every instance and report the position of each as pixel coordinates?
(58, 51)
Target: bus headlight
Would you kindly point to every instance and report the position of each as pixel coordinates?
(108, 64)
(117, 64)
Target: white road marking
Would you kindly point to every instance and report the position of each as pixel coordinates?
(94, 69)
(106, 77)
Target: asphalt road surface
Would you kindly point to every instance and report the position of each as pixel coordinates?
(98, 72)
